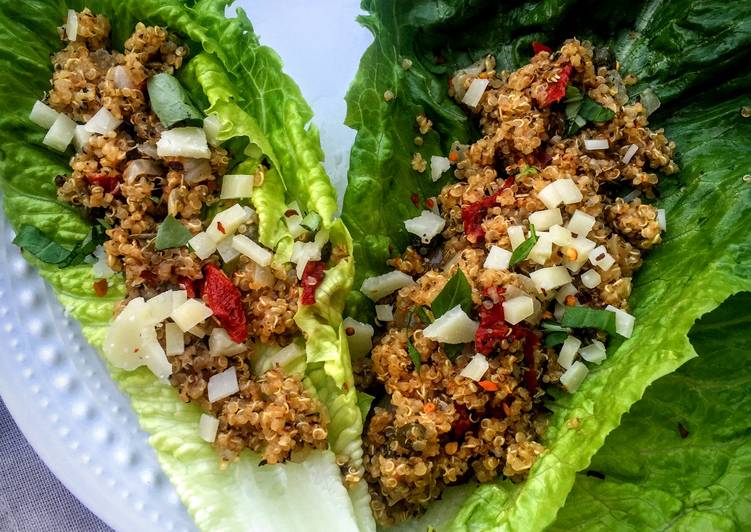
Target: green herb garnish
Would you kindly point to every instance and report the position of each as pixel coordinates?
(452, 350)
(521, 252)
(555, 338)
(528, 170)
(425, 315)
(456, 292)
(581, 109)
(552, 326)
(171, 234)
(586, 317)
(364, 401)
(33, 241)
(414, 355)
(171, 102)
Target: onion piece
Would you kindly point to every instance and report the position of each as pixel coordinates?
(122, 344)
(550, 196)
(661, 219)
(81, 138)
(161, 306)
(438, 165)
(453, 327)
(384, 313)
(426, 226)
(475, 91)
(121, 77)
(497, 259)
(568, 191)
(190, 314)
(460, 76)
(476, 367)
(624, 322)
(581, 223)
(212, 124)
(582, 246)
(565, 291)
(594, 352)
(226, 251)
(60, 133)
(253, 251)
(380, 286)
(102, 122)
(544, 219)
(236, 186)
(43, 115)
(560, 235)
(155, 358)
(174, 339)
(630, 152)
(550, 278)
(208, 427)
(518, 308)
(223, 385)
(71, 25)
(220, 344)
(225, 223)
(139, 167)
(100, 268)
(198, 331)
(196, 170)
(574, 376)
(568, 351)
(183, 142)
(596, 144)
(302, 253)
(516, 235)
(591, 278)
(543, 248)
(600, 257)
(359, 337)
(558, 311)
(202, 245)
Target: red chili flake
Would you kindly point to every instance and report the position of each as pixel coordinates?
(474, 213)
(430, 203)
(557, 90)
(188, 285)
(100, 287)
(212, 186)
(149, 278)
(488, 386)
(539, 47)
(312, 276)
(106, 181)
(221, 228)
(289, 213)
(415, 199)
(224, 300)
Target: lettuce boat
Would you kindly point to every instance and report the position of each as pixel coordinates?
(688, 57)
(260, 116)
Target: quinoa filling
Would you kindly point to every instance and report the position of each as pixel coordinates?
(520, 270)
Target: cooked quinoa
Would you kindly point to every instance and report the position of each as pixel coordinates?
(273, 414)
(432, 427)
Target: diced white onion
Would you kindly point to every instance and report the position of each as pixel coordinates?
(102, 122)
(624, 322)
(426, 226)
(203, 245)
(558, 311)
(565, 291)
(630, 152)
(542, 249)
(190, 314)
(196, 170)
(263, 276)
(155, 358)
(302, 253)
(518, 308)
(454, 327)
(198, 331)
(582, 246)
(223, 385)
(460, 76)
(591, 278)
(100, 268)
(560, 235)
(544, 219)
(380, 286)
(516, 235)
(81, 137)
(580, 223)
(384, 313)
(161, 306)
(71, 25)
(236, 186)
(568, 351)
(294, 225)
(600, 257)
(568, 191)
(174, 339)
(221, 344)
(438, 165)
(361, 340)
(549, 196)
(208, 427)
(212, 124)
(253, 251)
(178, 298)
(476, 367)
(497, 259)
(226, 251)
(121, 77)
(661, 219)
(230, 219)
(574, 376)
(596, 144)
(139, 167)
(60, 133)
(594, 352)
(183, 142)
(550, 278)
(43, 115)
(122, 344)
(631, 196)
(475, 91)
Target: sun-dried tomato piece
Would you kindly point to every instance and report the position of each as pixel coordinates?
(538, 47)
(106, 181)
(100, 287)
(474, 213)
(225, 301)
(188, 285)
(312, 276)
(557, 90)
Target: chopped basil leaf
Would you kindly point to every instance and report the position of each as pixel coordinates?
(171, 102)
(425, 315)
(171, 234)
(456, 292)
(521, 252)
(581, 109)
(586, 317)
(414, 355)
(364, 401)
(312, 221)
(573, 94)
(594, 112)
(452, 350)
(47, 250)
(555, 338)
(551, 326)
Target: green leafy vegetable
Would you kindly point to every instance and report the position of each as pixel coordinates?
(582, 109)
(455, 292)
(171, 102)
(364, 401)
(171, 234)
(586, 317)
(32, 240)
(414, 355)
(452, 350)
(555, 338)
(529, 170)
(425, 315)
(523, 249)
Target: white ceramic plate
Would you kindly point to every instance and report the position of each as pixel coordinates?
(54, 383)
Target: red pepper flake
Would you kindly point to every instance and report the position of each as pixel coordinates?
(415, 199)
(212, 186)
(474, 213)
(149, 278)
(488, 386)
(557, 90)
(100, 287)
(429, 408)
(539, 47)
(225, 301)
(188, 285)
(106, 181)
(453, 156)
(312, 276)
(289, 213)
(221, 228)
(430, 203)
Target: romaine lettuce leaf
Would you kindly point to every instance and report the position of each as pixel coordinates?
(679, 49)
(243, 83)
